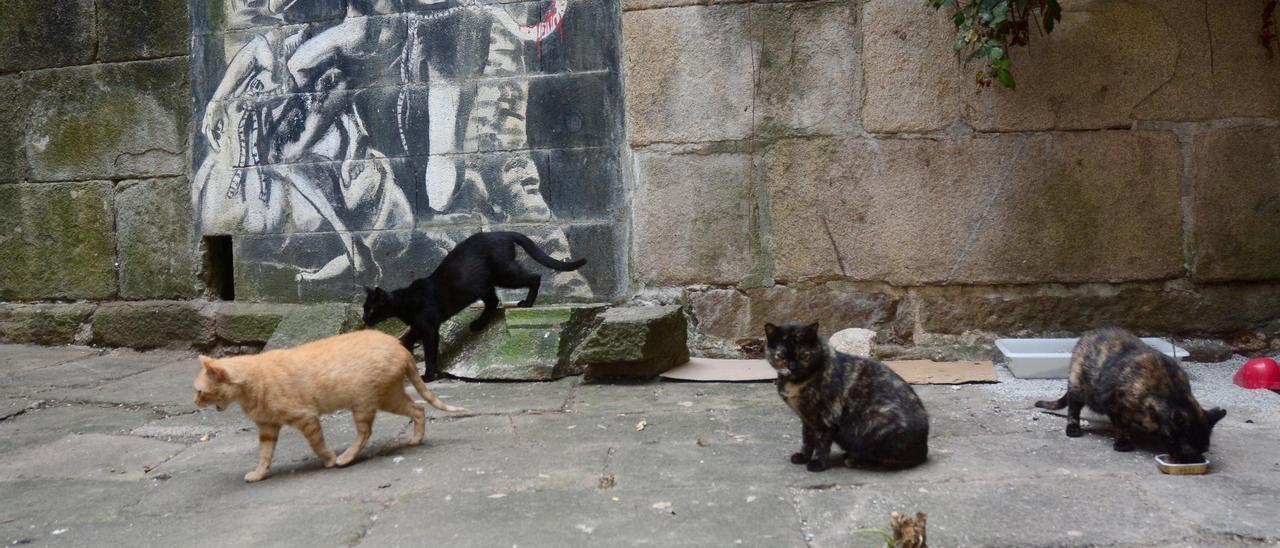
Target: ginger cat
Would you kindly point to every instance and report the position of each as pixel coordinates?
(363, 371)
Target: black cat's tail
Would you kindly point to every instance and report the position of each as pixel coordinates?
(1054, 405)
(541, 256)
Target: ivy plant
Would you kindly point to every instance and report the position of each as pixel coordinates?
(986, 29)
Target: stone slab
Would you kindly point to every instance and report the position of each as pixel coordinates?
(58, 241)
(142, 29)
(168, 388)
(686, 207)
(21, 357)
(560, 518)
(114, 121)
(89, 456)
(911, 83)
(1158, 310)
(39, 34)
(1221, 69)
(1100, 63)
(1070, 207)
(308, 323)
(634, 342)
(50, 421)
(520, 344)
(854, 341)
(807, 69)
(152, 324)
(156, 239)
(1230, 505)
(45, 323)
(249, 322)
(13, 116)
(721, 474)
(91, 371)
(701, 91)
(40, 507)
(1235, 202)
(996, 513)
(315, 524)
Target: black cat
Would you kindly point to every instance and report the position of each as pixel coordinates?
(858, 403)
(467, 274)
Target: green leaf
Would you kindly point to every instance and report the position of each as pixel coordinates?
(1001, 63)
(995, 54)
(1006, 79)
(1052, 14)
(888, 538)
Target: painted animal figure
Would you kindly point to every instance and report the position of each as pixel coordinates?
(363, 371)
(857, 403)
(470, 272)
(1140, 390)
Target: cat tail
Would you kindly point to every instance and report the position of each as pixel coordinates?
(544, 259)
(427, 394)
(1054, 405)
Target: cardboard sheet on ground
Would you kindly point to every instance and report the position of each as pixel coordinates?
(914, 371)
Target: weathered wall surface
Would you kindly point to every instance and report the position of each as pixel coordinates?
(94, 125)
(769, 161)
(830, 160)
(355, 143)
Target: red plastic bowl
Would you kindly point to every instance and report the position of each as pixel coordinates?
(1259, 373)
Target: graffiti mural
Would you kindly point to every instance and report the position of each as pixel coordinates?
(349, 142)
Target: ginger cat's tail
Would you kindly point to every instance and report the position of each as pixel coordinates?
(411, 371)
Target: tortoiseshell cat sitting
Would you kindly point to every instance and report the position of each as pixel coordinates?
(1140, 390)
(857, 403)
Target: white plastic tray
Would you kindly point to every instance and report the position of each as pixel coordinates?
(1051, 358)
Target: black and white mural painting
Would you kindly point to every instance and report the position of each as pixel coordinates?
(354, 142)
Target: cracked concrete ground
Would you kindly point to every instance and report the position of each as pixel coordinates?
(105, 448)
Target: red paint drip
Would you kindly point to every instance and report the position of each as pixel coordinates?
(554, 21)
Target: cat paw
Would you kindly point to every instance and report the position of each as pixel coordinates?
(816, 466)
(344, 459)
(1074, 431)
(1123, 445)
(524, 304)
(478, 325)
(415, 441)
(799, 458)
(255, 475)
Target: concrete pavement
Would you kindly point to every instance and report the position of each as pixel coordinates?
(104, 448)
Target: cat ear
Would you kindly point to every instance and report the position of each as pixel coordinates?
(810, 332)
(770, 331)
(1215, 415)
(214, 372)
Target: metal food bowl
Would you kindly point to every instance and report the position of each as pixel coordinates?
(1162, 462)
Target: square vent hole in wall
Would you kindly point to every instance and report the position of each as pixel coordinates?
(219, 273)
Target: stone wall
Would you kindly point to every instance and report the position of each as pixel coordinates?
(762, 161)
(94, 125)
(831, 160)
(355, 143)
